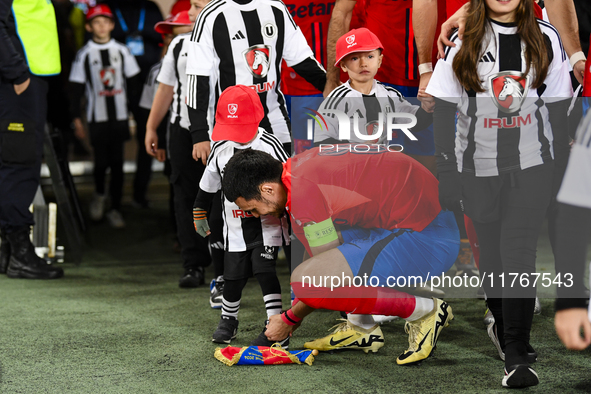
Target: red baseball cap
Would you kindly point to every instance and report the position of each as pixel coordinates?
(238, 115)
(180, 19)
(180, 5)
(357, 40)
(99, 10)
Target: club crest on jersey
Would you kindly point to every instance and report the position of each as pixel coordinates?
(269, 30)
(108, 77)
(508, 90)
(258, 58)
(372, 128)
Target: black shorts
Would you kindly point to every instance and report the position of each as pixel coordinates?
(242, 265)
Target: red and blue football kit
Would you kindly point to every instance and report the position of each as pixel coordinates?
(313, 18)
(391, 21)
(383, 201)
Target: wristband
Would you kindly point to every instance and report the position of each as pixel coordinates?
(289, 318)
(575, 58)
(319, 234)
(199, 214)
(427, 68)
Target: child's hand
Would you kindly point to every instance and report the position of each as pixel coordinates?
(161, 155)
(200, 222)
(151, 143)
(201, 151)
(427, 101)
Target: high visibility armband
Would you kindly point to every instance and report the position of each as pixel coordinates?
(319, 234)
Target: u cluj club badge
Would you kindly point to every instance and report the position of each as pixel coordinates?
(258, 60)
(509, 90)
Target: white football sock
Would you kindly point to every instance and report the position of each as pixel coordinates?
(364, 321)
(423, 307)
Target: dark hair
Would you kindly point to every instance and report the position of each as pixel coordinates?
(536, 51)
(246, 171)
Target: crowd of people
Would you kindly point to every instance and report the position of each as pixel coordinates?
(276, 118)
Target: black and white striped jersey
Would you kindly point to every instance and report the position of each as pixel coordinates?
(150, 87)
(576, 185)
(173, 73)
(243, 231)
(103, 68)
(507, 127)
(367, 107)
(243, 44)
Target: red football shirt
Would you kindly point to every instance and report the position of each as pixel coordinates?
(313, 18)
(370, 190)
(391, 21)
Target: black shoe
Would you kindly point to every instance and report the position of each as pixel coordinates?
(262, 340)
(24, 263)
(192, 278)
(226, 331)
(4, 252)
(520, 375)
(532, 355)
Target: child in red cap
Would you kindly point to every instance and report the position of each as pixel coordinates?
(250, 243)
(359, 54)
(107, 73)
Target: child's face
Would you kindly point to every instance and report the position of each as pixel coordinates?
(100, 27)
(196, 7)
(362, 66)
(502, 10)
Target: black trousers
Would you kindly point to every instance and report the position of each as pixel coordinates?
(107, 139)
(143, 171)
(185, 176)
(22, 123)
(216, 238)
(508, 212)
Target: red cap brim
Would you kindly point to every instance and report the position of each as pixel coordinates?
(357, 49)
(241, 133)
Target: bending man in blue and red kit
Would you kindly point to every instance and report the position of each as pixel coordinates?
(368, 219)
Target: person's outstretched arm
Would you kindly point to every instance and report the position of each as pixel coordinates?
(340, 20)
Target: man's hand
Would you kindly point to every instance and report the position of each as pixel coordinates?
(569, 323)
(579, 71)
(457, 20)
(423, 82)
(427, 101)
(200, 222)
(277, 330)
(201, 151)
(21, 87)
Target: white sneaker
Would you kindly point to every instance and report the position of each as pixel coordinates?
(115, 219)
(97, 206)
(537, 307)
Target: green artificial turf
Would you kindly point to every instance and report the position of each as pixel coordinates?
(119, 323)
